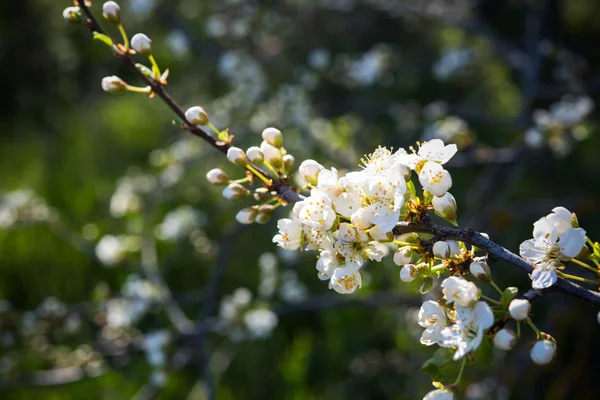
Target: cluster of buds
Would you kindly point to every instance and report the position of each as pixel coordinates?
(271, 155)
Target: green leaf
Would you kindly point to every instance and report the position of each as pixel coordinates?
(441, 365)
(104, 38)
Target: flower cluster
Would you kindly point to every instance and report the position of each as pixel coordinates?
(278, 164)
(556, 238)
(350, 219)
(560, 125)
(462, 326)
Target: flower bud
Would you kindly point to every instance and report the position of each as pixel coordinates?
(375, 232)
(113, 84)
(454, 247)
(309, 170)
(255, 155)
(272, 154)
(112, 12)
(408, 273)
(441, 249)
(288, 162)
(481, 270)
(235, 191)
(142, 44)
(72, 15)
(273, 137)
(505, 339)
(445, 207)
(262, 194)
(519, 309)
(543, 351)
(403, 255)
(247, 215)
(196, 115)
(426, 285)
(237, 156)
(264, 214)
(217, 176)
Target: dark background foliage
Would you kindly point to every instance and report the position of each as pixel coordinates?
(338, 77)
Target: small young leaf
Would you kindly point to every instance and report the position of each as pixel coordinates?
(104, 38)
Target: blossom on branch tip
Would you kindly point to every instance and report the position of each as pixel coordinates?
(272, 154)
(309, 171)
(445, 207)
(196, 115)
(273, 136)
(555, 239)
(542, 351)
(235, 191)
(247, 215)
(141, 44)
(217, 176)
(72, 15)
(460, 291)
(255, 155)
(113, 84)
(481, 270)
(237, 156)
(112, 12)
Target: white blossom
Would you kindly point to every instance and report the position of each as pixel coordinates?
(246, 215)
(290, 234)
(113, 84)
(316, 211)
(434, 151)
(217, 176)
(441, 249)
(460, 291)
(505, 339)
(467, 333)
(273, 136)
(112, 12)
(445, 206)
(549, 248)
(237, 156)
(403, 255)
(433, 318)
(110, 250)
(519, 309)
(435, 179)
(408, 273)
(481, 270)
(354, 245)
(439, 394)
(142, 44)
(542, 351)
(196, 115)
(379, 196)
(272, 154)
(260, 322)
(309, 170)
(346, 279)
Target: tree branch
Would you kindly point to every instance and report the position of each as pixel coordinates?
(474, 238)
(280, 186)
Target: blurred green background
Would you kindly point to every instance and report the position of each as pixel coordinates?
(339, 78)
